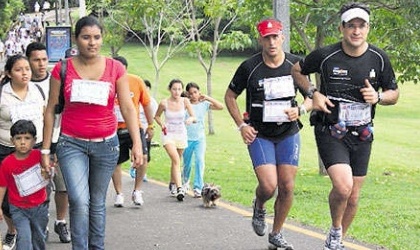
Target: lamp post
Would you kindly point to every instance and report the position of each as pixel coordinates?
(281, 10)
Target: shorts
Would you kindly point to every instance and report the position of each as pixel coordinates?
(275, 152)
(126, 144)
(349, 150)
(179, 141)
(149, 145)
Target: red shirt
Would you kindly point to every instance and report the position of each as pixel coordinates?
(86, 120)
(11, 166)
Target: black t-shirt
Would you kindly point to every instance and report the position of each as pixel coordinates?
(252, 75)
(342, 76)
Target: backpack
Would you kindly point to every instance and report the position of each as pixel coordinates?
(60, 106)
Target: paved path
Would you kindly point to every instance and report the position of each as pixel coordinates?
(165, 223)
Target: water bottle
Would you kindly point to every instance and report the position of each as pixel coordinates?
(366, 133)
(338, 130)
(132, 171)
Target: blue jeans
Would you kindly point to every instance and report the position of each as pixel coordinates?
(30, 224)
(87, 168)
(197, 148)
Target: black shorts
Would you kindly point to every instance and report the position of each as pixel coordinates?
(126, 144)
(348, 150)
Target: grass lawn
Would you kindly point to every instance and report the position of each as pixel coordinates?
(389, 212)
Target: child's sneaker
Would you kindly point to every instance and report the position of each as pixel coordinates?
(119, 200)
(138, 198)
(258, 220)
(197, 193)
(172, 189)
(180, 194)
(277, 241)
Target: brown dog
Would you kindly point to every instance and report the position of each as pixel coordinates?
(210, 194)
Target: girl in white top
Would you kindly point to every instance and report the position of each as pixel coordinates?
(174, 132)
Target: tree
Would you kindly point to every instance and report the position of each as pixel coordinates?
(154, 22)
(9, 12)
(216, 16)
(315, 22)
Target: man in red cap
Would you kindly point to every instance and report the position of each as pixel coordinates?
(272, 131)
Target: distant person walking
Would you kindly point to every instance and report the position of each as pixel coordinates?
(201, 104)
(140, 97)
(355, 78)
(271, 132)
(174, 132)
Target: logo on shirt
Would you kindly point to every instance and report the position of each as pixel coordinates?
(339, 72)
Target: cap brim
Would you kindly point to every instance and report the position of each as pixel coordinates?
(355, 13)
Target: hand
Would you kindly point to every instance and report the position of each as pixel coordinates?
(321, 102)
(190, 120)
(369, 93)
(137, 156)
(292, 113)
(150, 132)
(248, 134)
(46, 166)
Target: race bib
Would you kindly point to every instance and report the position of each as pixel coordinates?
(273, 111)
(355, 114)
(26, 111)
(278, 87)
(30, 181)
(88, 91)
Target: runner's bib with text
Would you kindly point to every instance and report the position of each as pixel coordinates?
(30, 181)
(277, 88)
(25, 111)
(89, 91)
(355, 114)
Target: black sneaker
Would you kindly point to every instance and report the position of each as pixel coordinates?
(61, 229)
(9, 241)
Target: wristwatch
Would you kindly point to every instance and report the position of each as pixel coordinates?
(311, 91)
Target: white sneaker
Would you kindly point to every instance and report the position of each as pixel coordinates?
(137, 197)
(119, 200)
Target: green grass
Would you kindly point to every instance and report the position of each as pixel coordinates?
(389, 212)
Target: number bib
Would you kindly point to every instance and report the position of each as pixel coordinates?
(25, 111)
(355, 114)
(88, 91)
(278, 87)
(30, 181)
(273, 111)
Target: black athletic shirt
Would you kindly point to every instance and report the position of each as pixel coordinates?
(342, 76)
(249, 76)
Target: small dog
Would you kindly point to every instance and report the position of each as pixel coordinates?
(210, 194)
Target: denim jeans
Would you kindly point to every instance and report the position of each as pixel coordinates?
(30, 224)
(198, 149)
(87, 168)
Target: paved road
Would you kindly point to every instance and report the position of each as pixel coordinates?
(165, 223)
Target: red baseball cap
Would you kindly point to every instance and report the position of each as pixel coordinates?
(269, 27)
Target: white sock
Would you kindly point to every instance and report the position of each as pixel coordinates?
(58, 221)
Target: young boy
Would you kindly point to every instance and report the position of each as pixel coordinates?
(22, 177)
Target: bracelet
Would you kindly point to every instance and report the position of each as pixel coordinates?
(45, 151)
(302, 110)
(242, 126)
(151, 126)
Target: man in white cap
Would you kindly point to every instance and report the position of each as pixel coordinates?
(271, 132)
(355, 77)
